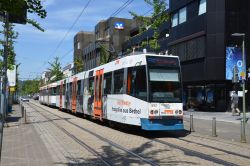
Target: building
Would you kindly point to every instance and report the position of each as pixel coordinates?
(109, 36)
(45, 77)
(81, 40)
(68, 70)
(200, 31)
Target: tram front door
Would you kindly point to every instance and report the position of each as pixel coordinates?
(98, 94)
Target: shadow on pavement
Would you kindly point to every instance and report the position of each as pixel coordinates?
(11, 119)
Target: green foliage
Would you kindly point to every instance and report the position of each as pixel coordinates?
(29, 87)
(159, 16)
(16, 6)
(79, 64)
(104, 55)
(35, 24)
(12, 35)
(142, 21)
(55, 70)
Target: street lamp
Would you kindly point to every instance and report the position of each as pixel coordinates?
(243, 134)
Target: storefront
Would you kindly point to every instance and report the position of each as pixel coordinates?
(208, 97)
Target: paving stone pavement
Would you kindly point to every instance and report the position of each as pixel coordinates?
(65, 150)
(22, 146)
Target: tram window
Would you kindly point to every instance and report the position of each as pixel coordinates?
(57, 90)
(96, 87)
(165, 85)
(100, 88)
(51, 91)
(91, 86)
(107, 83)
(79, 87)
(63, 90)
(70, 88)
(137, 83)
(118, 81)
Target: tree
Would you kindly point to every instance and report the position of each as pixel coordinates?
(159, 16)
(55, 70)
(12, 35)
(78, 64)
(29, 87)
(16, 7)
(104, 55)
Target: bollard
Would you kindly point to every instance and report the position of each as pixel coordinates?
(243, 136)
(191, 123)
(22, 110)
(25, 116)
(214, 127)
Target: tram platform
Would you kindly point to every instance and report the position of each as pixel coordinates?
(220, 116)
(22, 145)
(228, 127)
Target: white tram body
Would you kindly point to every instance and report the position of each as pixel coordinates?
(42, 94)
(52, 94)
(142, 90)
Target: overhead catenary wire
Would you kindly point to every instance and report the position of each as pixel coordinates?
(121, 8)
(70, 28)
(124, 5)
(67, 53)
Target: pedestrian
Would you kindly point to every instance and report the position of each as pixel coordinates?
(234, 105)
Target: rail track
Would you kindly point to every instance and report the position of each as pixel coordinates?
(87, 147)
(187, 151)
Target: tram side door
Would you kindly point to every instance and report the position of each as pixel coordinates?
(61, 91)
(74, 92)
(98, 94)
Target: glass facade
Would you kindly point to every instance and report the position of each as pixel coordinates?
(210, 97)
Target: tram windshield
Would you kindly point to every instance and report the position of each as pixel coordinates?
(165, 85)
(164, 79)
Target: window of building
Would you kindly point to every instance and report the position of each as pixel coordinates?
(78, 45)
(108, 32)
(202, 7)
(118, 81)
(175, 20)
(182, 15)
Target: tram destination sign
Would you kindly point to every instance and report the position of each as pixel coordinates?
(162, 61)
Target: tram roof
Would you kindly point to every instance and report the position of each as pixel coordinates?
(119, 63)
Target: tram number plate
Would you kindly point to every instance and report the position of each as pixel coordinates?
(169, 111)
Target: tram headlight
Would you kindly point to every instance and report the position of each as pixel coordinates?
(180, 111)
(176, 111)
(152, 112)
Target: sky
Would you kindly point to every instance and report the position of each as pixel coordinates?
(34, 49)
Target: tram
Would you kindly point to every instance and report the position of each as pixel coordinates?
(142, 90)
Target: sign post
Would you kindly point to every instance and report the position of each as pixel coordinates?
(243, 76)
